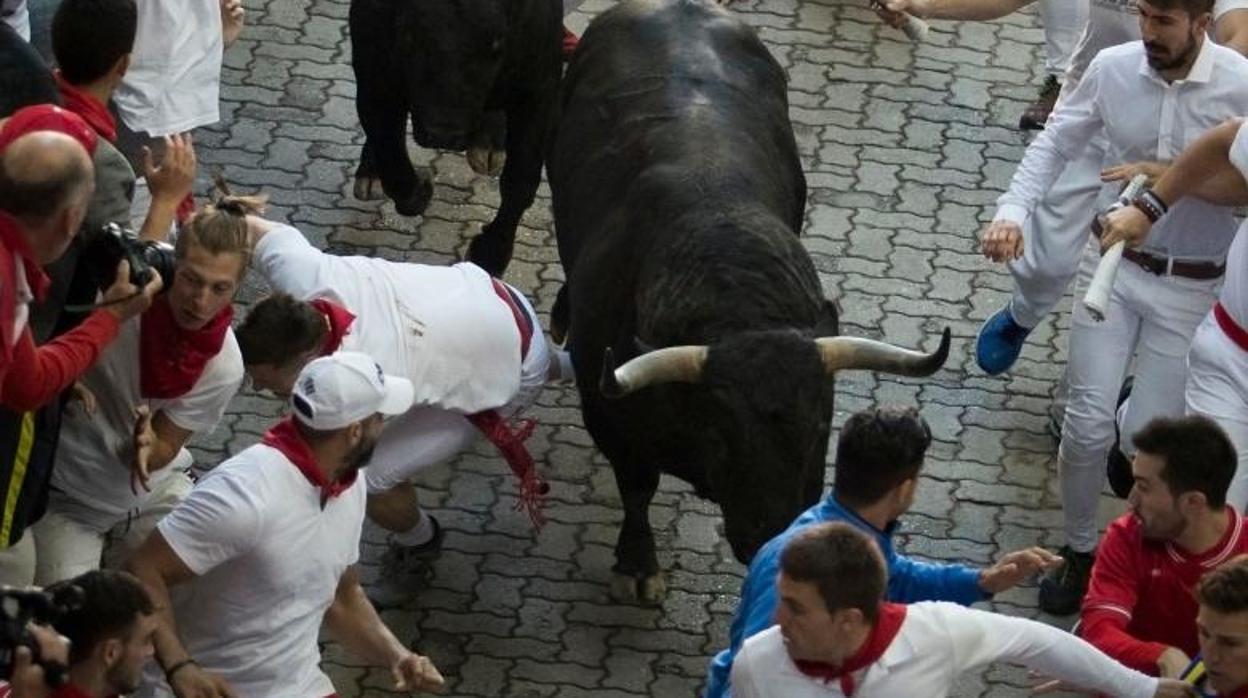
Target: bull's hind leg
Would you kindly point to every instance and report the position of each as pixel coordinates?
(381, 103)
(638, 578)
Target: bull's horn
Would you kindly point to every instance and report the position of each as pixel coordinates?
(667, 365)
(842, 353)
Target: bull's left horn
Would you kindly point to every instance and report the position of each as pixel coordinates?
(843, 353)
(668, 365)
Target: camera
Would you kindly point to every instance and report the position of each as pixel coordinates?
(108, 244)
(20, 606)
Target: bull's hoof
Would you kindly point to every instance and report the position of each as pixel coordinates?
(368, 188)
(645, 591)
(491, 252)
(560, 317)
(486, 161)
(417, 200)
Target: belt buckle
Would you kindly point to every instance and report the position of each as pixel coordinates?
(1153, 264)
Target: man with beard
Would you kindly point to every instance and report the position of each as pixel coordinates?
(1139, 608)
(246, 567)
(109, 634)
(1149, 99)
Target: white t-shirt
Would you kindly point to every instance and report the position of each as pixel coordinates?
(939, 641)
(95, 450)
(443, 328)
(1234, 294)
(15, 14)
(174, 78)
(268, 558)
(1113, 22)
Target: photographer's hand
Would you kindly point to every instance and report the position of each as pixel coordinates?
(193, 682)
(28, 679)
(125, 300)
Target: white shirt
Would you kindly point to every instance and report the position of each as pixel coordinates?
(1143, 118)
(174, 78)
(443, 328)
(1234, 294)
(268, 559)
(1114, 22)
(94, 453)
(15, 14)
(939, 641)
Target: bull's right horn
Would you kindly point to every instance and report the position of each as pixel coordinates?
(667, 365)
(843, 353)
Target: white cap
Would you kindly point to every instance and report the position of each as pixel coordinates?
(334, 391)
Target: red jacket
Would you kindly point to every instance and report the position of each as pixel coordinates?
(32, 376)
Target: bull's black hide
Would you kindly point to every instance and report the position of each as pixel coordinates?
(678, 196)
(477, 74)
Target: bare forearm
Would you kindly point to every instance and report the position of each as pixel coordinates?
(972, 10)
(1197, 170)
(169, 647)
(159, 221)
(354, 622)
(1231, 30)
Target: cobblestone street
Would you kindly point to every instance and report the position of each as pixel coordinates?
(905, 147)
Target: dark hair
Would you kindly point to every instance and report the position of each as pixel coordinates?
(279, 329)
(90, 36)
(44, 195)
(879, 449)
(1225, 589)
(1194, 8)
(1198, 455)
(112, 601)
(842, 562)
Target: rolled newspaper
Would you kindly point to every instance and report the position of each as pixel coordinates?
(1096, 300)
(915, 28)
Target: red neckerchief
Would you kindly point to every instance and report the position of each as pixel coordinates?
(340, 320)
(14, 240)
(69, 690)
(887, 625)
(285, 437)
(85, 105)
(171, 359)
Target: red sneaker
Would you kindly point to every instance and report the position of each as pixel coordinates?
(570, 41)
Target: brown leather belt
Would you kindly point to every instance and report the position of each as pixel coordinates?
(1174, 267)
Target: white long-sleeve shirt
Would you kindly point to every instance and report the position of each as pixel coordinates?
(938, 641)
(1143, 118)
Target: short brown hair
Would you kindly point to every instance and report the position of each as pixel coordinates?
(842, 562)
(221, 228)
(1194, 8)
(279, 329)
(1198, 455)
(1225, 589)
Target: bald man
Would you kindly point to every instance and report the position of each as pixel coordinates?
(46, 182)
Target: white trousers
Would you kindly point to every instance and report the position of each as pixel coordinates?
(1055, 236)
(17, 562)
(1063, 21)
(1151, 318)
(425, 436)
(70, 541)
(1217, 387)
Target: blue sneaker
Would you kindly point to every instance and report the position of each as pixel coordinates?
(1000, 342)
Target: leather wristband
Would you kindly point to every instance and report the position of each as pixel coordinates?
(1150, 205)
(177, 667)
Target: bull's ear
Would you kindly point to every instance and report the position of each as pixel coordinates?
(829, 324)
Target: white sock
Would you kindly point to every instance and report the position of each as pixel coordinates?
(419, 534)
(564, 360)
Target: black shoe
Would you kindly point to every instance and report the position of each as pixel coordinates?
(1062, 589)
(1037, 112)
(1117, 465)
(405, 569)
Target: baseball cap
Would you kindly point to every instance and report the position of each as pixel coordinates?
(47, 117)
(334, 391)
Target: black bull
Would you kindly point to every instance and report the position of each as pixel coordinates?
(472, 74)
(678, 196)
